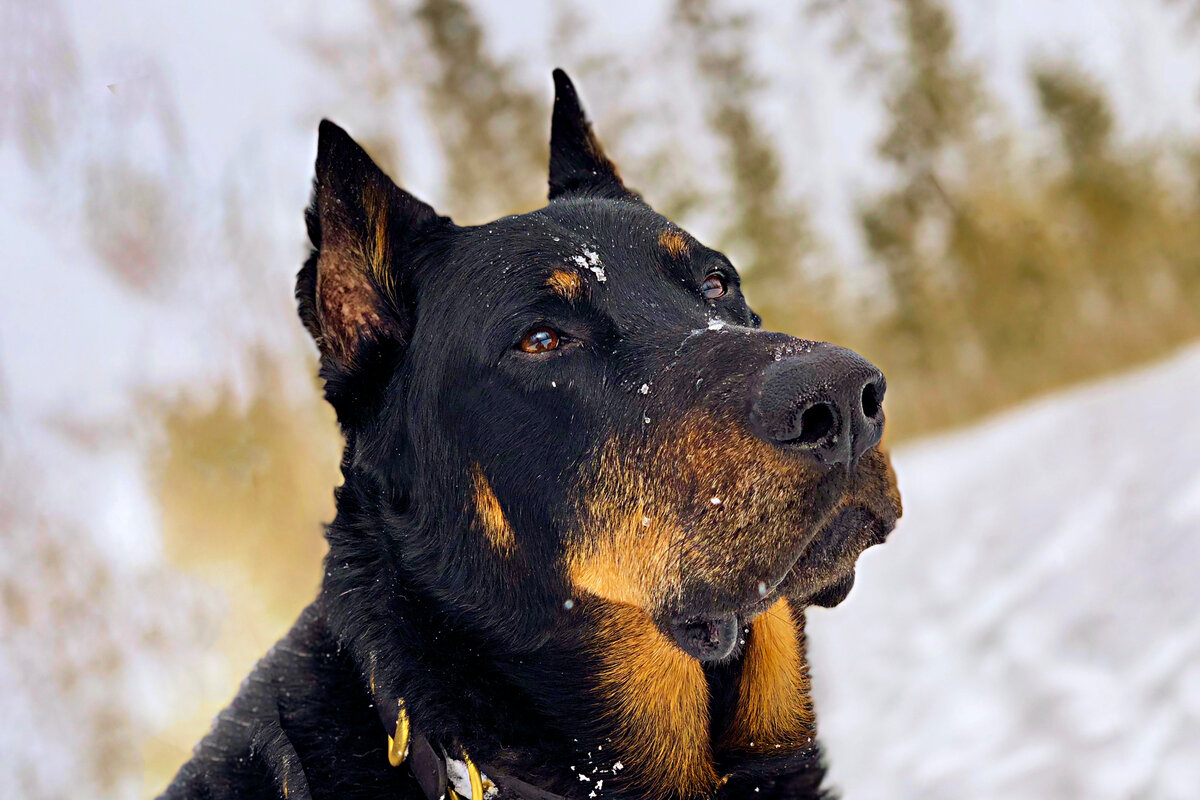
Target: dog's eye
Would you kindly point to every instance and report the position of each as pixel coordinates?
(540, 340)
(713, 287)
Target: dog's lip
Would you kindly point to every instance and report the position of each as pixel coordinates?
(834, 593)
(764, 595)
(834, 587)
(848, 521)
(767, 598)
(885, 525)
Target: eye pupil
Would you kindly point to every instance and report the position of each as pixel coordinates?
(540, 340)
(713, 287)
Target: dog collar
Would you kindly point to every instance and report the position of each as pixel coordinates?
(430, 768)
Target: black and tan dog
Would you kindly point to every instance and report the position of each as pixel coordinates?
(586, 503)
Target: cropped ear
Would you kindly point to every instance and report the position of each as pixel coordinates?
(578, 165)
(363, 228)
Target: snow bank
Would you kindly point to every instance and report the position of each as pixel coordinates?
(1031, 628)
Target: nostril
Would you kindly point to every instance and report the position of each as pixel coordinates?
(872, 398)
(826, 403)
(815, 424)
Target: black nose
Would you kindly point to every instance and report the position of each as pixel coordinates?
(827, 401)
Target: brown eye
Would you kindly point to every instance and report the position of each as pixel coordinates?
(540, 340)
(713, 287)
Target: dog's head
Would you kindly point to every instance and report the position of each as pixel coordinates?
(577, 403)
(570, 430)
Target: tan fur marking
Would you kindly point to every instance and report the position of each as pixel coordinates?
(658, 699)
(774, 705)
(490, 515)
(640, 501)
(565, 284)
(626, 564)
(674, 243)
(347, 301)
(647, 523)
(351, 267)
(378, 246)
(628, 544)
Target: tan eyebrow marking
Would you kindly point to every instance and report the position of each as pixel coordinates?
(674, 243)
(566, 284)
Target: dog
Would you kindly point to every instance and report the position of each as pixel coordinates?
(586, 502)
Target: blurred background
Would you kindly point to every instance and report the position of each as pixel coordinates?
(998, 202)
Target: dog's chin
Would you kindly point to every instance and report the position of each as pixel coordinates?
(713, 636)
(709, 640)
(717, 638)
(833, 594)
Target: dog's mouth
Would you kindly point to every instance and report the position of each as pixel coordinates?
(825, 574)
(822, 575)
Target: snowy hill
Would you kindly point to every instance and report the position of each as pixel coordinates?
(1031, 629)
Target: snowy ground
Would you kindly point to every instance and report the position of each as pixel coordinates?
(1032, 629)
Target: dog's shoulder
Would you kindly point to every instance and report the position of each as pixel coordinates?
(301, 719)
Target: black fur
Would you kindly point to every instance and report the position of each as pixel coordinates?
(494, 651)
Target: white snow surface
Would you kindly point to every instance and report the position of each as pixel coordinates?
(1031, 629)
(589, 259)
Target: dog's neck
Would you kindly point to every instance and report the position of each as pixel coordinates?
(606, 703)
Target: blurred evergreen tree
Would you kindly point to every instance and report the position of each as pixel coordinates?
(767, 233)
(494, 132)
(1012, 273)
(1006, 272)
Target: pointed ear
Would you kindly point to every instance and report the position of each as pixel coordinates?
(578, 165)
(362, 227)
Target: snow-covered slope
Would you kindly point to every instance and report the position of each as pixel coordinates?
(1032, 629)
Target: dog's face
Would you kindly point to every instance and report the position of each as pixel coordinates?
(580, 405)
